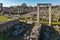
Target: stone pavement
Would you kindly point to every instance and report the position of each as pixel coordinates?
(35, 33)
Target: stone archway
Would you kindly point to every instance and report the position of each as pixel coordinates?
(38, 11)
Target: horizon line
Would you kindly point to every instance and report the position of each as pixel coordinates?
(29, 5)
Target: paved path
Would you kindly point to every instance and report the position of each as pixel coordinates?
(35, 33)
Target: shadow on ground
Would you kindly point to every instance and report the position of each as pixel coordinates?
(21, 36)
(54, 35)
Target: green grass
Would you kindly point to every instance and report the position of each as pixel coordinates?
(48, 22)
(1, 36)
(3, 18)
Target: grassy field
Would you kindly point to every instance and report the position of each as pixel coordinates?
(3, 18)
(51, 22)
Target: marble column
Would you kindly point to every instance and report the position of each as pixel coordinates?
(49, 15)
(38, 15)
(18, 9)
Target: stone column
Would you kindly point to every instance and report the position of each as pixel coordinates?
(49, 15)
(38, 14)
(32, 16)
(18, 10)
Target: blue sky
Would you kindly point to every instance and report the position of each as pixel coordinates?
(28, 2)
